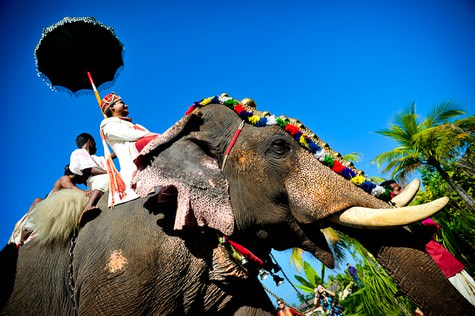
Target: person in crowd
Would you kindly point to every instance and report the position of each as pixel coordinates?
(355, 276)
(283, 310)
(392, 186)
(325, 299)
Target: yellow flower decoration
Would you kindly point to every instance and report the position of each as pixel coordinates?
(254, 119)
(206, 101)
(358, 180)
(303, 142)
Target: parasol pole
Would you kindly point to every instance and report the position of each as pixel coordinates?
(116, 183)
(96, 93)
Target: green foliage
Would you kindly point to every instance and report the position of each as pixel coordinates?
(437, 141)
(310, 273)
(337, 245)
(311, 279)
(353, 157)
(380, 295)
(296, 258)
(457, 233)
(420, 142)
(342, 280)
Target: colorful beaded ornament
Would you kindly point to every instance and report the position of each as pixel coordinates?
(303, 139)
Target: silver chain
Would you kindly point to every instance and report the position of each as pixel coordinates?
(70, 270)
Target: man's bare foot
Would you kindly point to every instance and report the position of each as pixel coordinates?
(90, 210)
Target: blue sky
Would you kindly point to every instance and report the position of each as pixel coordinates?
(342, 67)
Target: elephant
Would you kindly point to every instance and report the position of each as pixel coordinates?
(168, 252)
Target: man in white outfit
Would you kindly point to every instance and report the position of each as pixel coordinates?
(84, 162)
(125, 139)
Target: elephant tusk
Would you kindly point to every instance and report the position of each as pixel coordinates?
(362, 217)
(406, 196)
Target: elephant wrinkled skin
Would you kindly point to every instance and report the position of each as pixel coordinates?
(158, 257)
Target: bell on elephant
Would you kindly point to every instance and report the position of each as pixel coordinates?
(249, 103)
(276, 268)
(263, 274)
(277, 279)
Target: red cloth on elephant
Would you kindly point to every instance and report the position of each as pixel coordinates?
(142, 142)
(449, 265)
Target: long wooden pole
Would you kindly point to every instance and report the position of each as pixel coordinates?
(96, 93)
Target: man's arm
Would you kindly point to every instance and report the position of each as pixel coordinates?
(116, 130)
(65, 183)
(330, 292)
(94, 171)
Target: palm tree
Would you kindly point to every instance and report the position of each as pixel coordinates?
(436, 141)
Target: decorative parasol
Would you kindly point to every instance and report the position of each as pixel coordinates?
(73, 51)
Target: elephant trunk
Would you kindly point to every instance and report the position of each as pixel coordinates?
(426, 285)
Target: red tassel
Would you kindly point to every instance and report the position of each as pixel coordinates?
(116, 183)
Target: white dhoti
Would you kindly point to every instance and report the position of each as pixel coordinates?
(99, 182)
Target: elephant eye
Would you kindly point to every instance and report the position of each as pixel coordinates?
(279, 147)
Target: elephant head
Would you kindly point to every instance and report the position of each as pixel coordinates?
(229, 176)
(280, 196)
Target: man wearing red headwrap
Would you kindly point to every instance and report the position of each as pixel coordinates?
(126, 140)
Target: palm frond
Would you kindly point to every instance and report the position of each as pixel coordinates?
(296, 258)
(310, 273)
(441, 113)
(467, 124)
(311, 284)
(353, 157)
(336, 243)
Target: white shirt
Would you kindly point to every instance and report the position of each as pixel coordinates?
(121, 136)
(81, 159)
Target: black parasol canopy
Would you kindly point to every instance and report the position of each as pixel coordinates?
(73, 48)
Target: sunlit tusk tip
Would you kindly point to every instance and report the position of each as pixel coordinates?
(406, 196)
(362, 217)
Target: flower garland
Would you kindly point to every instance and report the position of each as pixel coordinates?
(303, 139)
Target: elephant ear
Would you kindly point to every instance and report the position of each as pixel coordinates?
(203, 197)
(183, 126)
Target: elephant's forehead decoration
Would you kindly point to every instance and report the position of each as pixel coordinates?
(305, 140)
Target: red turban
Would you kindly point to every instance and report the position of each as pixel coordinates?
(108, 101)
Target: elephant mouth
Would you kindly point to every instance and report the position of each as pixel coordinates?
(368, 218)
(316, 244)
